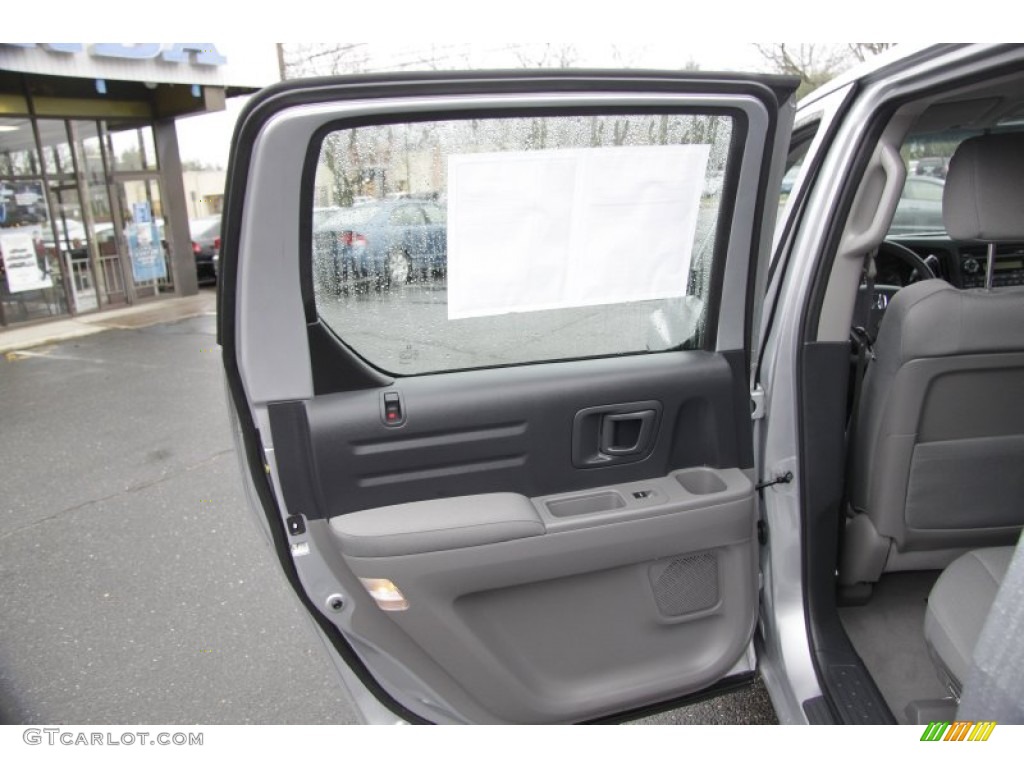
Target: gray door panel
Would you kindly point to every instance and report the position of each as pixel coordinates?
(538, 590)
(555, 627)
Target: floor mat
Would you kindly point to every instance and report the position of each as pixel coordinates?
(747, 706)
(888, 633)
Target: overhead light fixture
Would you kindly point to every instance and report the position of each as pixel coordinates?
(9, 128)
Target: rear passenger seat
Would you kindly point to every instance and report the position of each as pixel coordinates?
(957, 607)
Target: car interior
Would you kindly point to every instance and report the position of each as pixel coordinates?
(934, 488)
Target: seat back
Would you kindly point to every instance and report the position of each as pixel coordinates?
(939, 459)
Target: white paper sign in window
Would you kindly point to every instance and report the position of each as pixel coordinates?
(550, 229)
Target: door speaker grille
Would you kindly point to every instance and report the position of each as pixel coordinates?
(686, 584)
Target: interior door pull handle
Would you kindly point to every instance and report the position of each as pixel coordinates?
(615, 433)
(623, 434)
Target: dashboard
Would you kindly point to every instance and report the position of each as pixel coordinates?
(961, 264)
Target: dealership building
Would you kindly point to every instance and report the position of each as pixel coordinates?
(94, 212)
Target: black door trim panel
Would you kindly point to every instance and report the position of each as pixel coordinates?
(509, 429)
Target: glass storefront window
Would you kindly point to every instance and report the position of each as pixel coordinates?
(79, 242)
(131, 149)
(149, 148)
(145, 224)
(30, 276)
(56, 148)
(18, 155)
(92, 154)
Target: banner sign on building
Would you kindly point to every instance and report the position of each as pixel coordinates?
(214, 64)
(145, 246)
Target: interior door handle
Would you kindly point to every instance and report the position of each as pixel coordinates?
(623, 434)
(615, 433)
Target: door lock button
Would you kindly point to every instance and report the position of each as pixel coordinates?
(391, 409)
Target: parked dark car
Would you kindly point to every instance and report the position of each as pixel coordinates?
(934, 167)
(381, 244)
(205, 235)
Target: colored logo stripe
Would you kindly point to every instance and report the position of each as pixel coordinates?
(958, 731)
(982, 731)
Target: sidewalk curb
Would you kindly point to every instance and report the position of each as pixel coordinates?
(124, 318)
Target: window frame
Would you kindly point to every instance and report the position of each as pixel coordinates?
(719, 250)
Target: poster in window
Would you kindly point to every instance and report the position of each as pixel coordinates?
(145, 246)
(25, 266)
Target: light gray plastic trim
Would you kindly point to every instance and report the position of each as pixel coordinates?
(437, 524)
(585, 504)
(664, 496)
(564, 626)
(873, 209)
(577, 634)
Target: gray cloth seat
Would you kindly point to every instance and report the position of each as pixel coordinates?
(957, 607)
(940, 430)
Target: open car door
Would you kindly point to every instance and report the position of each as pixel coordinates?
(487, 340)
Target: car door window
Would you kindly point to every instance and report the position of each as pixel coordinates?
(919, 210)
(565, 237)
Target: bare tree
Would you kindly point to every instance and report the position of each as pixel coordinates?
(322, 59)
(562, 56)
(864, 51)
(814, 63)
(626, 57)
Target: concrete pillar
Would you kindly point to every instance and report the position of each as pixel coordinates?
(183, 261)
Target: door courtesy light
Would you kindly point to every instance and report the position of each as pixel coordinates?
(388, 596)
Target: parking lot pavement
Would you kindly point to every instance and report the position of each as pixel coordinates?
(136, 587)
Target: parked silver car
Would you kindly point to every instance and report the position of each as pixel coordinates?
(501, 502)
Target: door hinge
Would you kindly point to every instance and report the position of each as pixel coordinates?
(757, 403)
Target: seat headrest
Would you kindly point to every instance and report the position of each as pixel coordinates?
(984, 194)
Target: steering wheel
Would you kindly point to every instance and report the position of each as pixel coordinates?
(882, 293)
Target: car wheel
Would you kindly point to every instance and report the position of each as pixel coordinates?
(398, 269)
